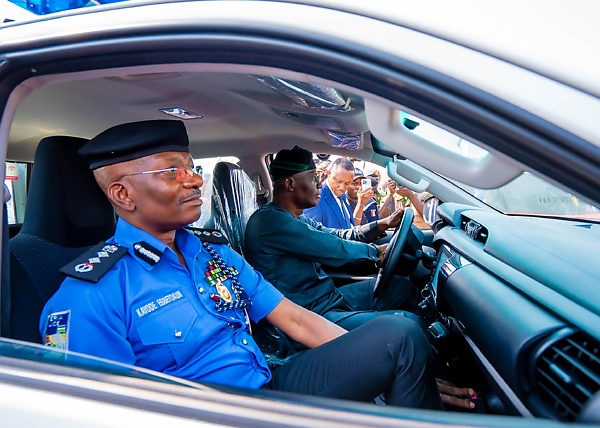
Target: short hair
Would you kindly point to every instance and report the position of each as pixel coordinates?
(342, 163)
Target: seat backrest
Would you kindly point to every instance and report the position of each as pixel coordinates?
(66, 214)
(233, 202)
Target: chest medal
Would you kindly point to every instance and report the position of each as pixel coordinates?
(224, 292)
(217, 272)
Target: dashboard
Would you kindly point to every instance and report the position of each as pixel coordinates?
(517, 291)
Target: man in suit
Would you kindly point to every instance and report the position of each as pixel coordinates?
(333, 210)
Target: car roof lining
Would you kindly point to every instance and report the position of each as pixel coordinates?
(145, 83)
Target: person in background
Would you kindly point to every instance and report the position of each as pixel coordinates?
(332, 210)
(400, 196)
(323, 167)
(379, 193)
(362, 205)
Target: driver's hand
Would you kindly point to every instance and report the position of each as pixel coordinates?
(453, 396)
(392, 220)
(381, 252)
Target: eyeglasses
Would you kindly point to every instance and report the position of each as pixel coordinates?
(312, 178)
(180, 173)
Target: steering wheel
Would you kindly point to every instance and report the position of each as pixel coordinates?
(393, 253)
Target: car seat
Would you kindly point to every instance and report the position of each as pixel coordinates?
(233, 202)
(66, 214)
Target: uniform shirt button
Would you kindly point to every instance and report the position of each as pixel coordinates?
(201, 290)
(244, 342)
(177, 333)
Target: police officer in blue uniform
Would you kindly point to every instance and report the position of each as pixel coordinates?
(179, 300)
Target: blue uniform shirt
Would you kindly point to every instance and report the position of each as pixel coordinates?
(152, 312)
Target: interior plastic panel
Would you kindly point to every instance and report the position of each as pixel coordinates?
(498, 319)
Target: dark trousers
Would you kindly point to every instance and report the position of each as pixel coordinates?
(389, 355)
(399, 299)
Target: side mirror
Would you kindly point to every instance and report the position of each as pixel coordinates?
(430, 210)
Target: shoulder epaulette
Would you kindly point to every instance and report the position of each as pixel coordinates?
(212, 236)
(94, 263)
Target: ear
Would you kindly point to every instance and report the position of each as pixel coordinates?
(118, 193)
(289, 184)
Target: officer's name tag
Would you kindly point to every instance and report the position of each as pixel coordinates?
(156, 304)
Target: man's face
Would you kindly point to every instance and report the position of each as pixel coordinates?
(339, 180)
(162, 203)
(307, 189)
(353, 189)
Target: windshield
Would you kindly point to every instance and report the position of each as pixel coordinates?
(526, 194)
(529, 194)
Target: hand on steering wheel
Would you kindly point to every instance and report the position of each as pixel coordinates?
(393, 253)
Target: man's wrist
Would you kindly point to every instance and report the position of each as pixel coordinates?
(377, 255)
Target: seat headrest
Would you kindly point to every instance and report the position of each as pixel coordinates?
(65, 204)
(234, 201)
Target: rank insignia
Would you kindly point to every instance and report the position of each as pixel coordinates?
(209, 235)
(94, 263)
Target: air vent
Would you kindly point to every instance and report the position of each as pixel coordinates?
(474, 230)
(567, 374)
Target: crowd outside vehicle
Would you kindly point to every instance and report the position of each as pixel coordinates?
(376, 180)
(323, 167)
(360, 199)
(332, 209)
(152, 263)
(400, 196)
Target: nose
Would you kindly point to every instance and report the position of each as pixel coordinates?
(195, 181)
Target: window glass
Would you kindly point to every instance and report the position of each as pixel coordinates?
(529, 194)
(441, 137)
(526, 194)
(15, 179)
(208, 165)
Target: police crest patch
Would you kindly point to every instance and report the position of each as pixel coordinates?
(57, 330)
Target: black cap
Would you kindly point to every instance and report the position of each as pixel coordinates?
(290, 162)
(358, 173)
(135, 140)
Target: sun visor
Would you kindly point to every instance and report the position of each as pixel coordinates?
(436, 150)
